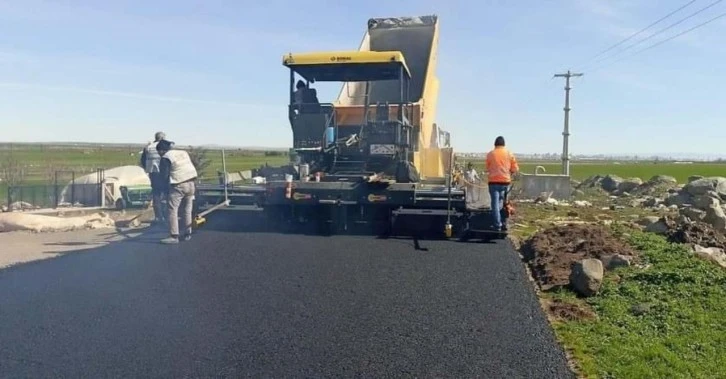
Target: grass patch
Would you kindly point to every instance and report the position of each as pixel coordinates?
(643, 170)
(668, 320)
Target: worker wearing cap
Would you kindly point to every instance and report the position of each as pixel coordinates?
(150, 160)
(501, 165)
(179, 175)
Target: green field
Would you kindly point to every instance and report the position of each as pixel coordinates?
(40, 162)
(665, 322)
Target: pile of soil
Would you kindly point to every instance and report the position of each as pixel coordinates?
(569, 311)
(551, 252)
(698, 233)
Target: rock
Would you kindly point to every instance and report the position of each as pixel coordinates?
(712, 254)
(640, 309)
(591, 182)
(574, 183)
(551, 201)
(678, 199)
(716, 217)
(611, 262)
(672, 207)
(647, 220)
(692, 213)
(637, 203)
(693, 178)
(629, 184)
(706, 200)
(578, 193)
(652, 202)
(586, 276)
(581, 203)
(657, 227)
(704, 185)
(611, 182)
(662, 179)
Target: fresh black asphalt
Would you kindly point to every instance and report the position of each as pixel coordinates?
(232, 303)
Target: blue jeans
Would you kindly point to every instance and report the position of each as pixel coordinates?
(496, 193)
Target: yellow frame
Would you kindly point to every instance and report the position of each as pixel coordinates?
(345, 57)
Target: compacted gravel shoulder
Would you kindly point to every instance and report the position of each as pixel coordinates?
(231, 303)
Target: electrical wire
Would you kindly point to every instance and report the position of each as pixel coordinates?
(663, 41)
(662, 30)
(641, 31)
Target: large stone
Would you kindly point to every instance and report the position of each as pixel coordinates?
(692, 213)
(647, 220)
(628, 185)
(693, 178)
(716, 217)
(712, 254)
(586, 276)
(611, 262)
(611, 182)
(662, 179)
(706, 200)
(702, 186)
(657, 227)
(652, 202)
(591, 182)
(679, 199)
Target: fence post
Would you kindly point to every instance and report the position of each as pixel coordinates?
(55, 187)
(73, 188)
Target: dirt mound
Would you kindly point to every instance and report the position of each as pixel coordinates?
(551, 252)
(698, 233)
(566, 311)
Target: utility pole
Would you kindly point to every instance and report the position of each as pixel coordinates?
(566, 132)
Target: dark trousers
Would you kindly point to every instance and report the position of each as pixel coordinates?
(158, 192)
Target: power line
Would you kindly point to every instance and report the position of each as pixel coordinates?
(662, 30)
(641, 31)
(664, 41)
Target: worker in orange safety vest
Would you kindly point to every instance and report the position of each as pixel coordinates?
(501, 165)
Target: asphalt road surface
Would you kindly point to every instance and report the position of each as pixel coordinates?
(242, 304)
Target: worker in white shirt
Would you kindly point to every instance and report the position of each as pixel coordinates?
(472, 180)
(179, 175)
(150, 161)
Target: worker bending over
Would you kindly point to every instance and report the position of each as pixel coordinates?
(501, 164)
(179, 175)
(150, 161)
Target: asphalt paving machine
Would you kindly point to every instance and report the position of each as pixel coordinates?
(374, 157)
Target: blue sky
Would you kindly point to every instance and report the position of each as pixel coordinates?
(209, 72)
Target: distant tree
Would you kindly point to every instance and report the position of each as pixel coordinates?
(199, 158)
(12, 171)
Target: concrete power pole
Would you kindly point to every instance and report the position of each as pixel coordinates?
(566, 132)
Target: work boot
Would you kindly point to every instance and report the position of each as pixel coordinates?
(170, 240)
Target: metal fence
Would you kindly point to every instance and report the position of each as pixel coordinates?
(65, 190)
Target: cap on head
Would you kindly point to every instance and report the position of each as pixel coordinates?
(159, 136)
(499, 141)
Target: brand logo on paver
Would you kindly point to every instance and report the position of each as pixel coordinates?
(302, 196)
(373, 198)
